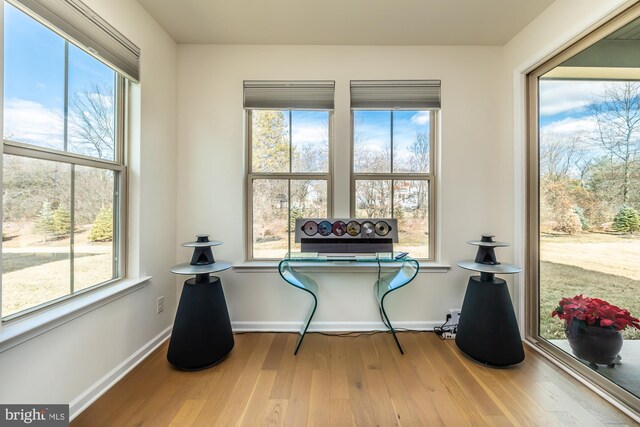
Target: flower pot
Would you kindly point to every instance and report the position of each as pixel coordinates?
(599, 346)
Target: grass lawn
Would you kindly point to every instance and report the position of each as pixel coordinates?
(561, 280)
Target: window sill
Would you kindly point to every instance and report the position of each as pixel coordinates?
(337, 266)
(21, 330)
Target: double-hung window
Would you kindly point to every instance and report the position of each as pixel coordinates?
(289, 167)
(64, 172)
(394, 135)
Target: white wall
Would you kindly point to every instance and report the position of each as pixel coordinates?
(59, 365)
(561, 24)
(474, 195)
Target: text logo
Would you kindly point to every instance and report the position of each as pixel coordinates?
(34, 415)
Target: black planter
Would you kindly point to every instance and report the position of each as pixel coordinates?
(599, 346)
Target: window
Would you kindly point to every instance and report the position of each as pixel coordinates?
(63, 156)
(394, 134)
(289, 168)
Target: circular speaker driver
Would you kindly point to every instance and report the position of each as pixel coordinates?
(382, 228)
(324, 228)
(310, 228)
(339, 228)
(368, 228)
(353, 228)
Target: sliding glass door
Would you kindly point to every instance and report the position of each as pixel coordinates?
(584, 208)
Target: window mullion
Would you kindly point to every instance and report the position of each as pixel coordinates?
(72, 207)
(289, 215)
(34, 152)
(65, 135)
(290, 143)
(391, 141)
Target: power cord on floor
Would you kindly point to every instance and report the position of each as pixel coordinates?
(353, 334)
(441, 330)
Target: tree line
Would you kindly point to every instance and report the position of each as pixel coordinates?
(590, 179)
(37, 193)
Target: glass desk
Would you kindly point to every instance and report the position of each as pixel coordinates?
(404, 271)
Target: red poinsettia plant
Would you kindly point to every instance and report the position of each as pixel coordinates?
(594, 312)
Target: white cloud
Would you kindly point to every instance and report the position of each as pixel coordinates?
(420, 118)
(309, 134)
(570, 125)
(32, 122)
(561, 96)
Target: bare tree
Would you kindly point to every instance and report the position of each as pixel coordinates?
(92, 121)
(420, 152)
(617, 119)
(559, 153)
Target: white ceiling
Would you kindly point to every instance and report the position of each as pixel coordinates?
(345, 22)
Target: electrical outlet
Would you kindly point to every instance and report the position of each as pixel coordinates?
(160, 306)
(455, 316)
(449, 335)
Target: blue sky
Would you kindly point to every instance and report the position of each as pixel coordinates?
(34, 79)
(373, 132)
(563, 104)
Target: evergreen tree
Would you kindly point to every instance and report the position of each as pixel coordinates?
(61, 221)
(102, 230)
(627, 220)
(270, 141)
(44, 221)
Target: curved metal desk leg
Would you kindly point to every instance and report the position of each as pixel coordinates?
(305, 283)
(391, 282)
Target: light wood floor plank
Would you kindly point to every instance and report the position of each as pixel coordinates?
(259, 400)
(338, 379)
(349, 381)
(275, 412)
(358, 396)
(286, 369)
(298, 405)
(239, 396)
(319, 398)
(340, 413)
(187, 414)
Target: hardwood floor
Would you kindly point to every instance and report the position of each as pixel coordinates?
(337, 381)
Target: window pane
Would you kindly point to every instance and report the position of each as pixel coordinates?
(373, 199)
(310, 141)
(91, 106)
(270, 141)
(94, 225)
(308, 200)
(371, 141)
(411, 145)
(411, 209)
(270, 218)
(36, 232)
(33, 82)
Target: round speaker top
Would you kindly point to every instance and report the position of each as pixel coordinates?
(202, 242)
(487, 241)
(488, 244)
(188, 269)
(489, 268)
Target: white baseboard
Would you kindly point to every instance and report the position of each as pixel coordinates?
(101, 386)
(258, 326)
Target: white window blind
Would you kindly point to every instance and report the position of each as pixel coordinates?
(275, 95)
(395, 94)
(77, 22)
